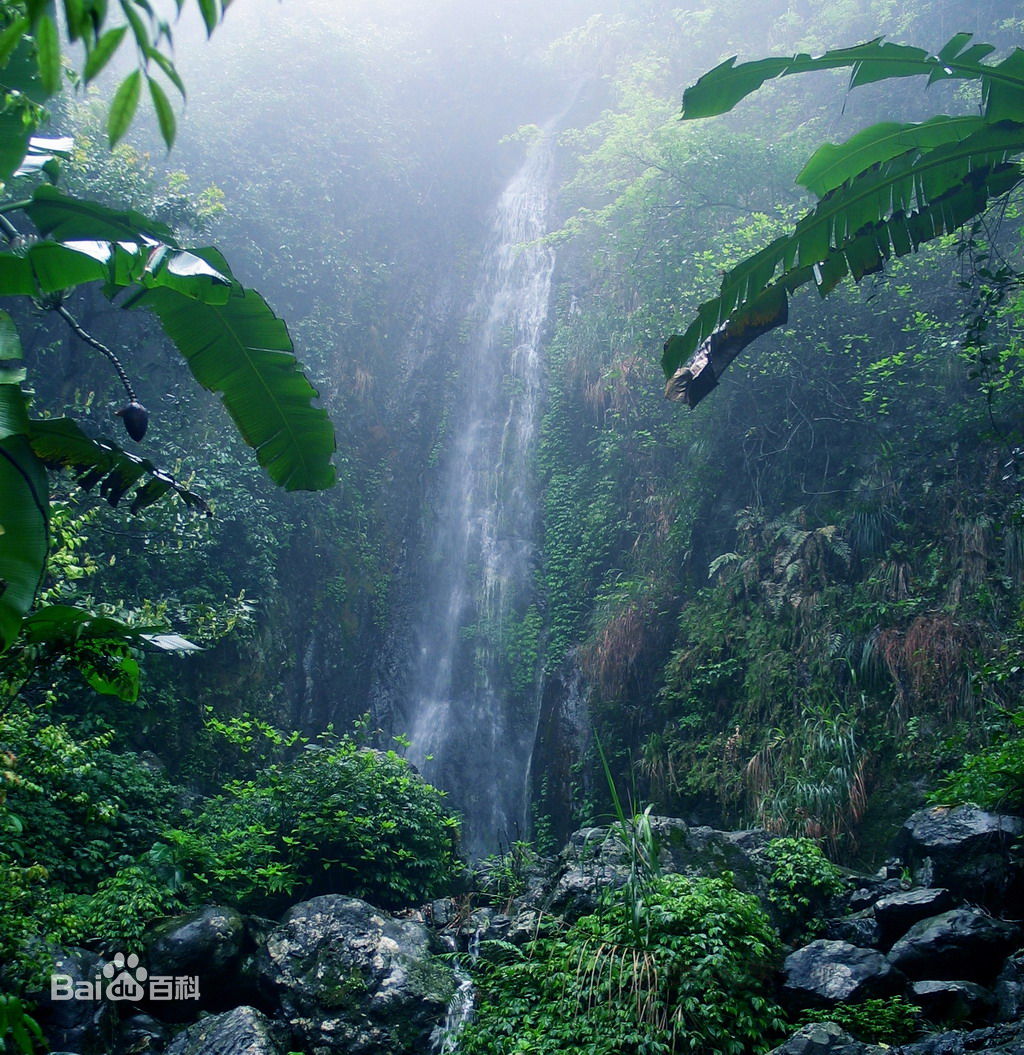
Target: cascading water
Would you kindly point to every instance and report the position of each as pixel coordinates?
(472, 704)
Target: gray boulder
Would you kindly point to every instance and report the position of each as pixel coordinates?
(995, 1040)
(76, 1023)
(205, 944)
(598, 858)
(954, 1002)
(860, 929)
(243, 1031)
(961, 944)
(968, 850)
(1009, 989)
(825, 1038)
(352, 980)
(897, 913)
(826, 973)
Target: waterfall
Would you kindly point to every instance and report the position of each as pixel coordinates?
(472, 701)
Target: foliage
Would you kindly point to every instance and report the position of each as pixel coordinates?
(17, 1026)
(336, 818)
(698, 981)
(884, 192)
(802, 882)
(888, 1021)
(230, 338)
(992, 778)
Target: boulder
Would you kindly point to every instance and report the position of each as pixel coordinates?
(897, 913)
(826, 973)
(84, 1023)
(1009, 989)
(205, 944)
(954, 1002)
(351, 980)
(995, 1040)
(825, 1038)
(141, 1033)
(870, 891)
(597, 859)
(243, 1031)
(860, 929)
(968, 850)
(963, 943)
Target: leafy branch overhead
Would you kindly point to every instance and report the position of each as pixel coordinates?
(882, 193)
(229, 337)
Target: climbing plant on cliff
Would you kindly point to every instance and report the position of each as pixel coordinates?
(884, 192)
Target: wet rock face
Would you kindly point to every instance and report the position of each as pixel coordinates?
(85, 1026)
(961, 944)
(967, 850)
(824, 1038)
(206, 944)
(243, 1031)
(954, 1002)
(826, 973)
(897, 913)
(353, 980)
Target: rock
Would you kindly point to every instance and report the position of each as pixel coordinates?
(205, 944)
(826, 973)
(865, 896)
(243, 1031)
(897, 913)
(954, 1002)
(1009, 989)
(141, 1033)
(860, 929)
(352, 980)
(996, 1040)
(82, 1024)
(824, 1038)
(967, 850)
(962, 943)
(597, 859)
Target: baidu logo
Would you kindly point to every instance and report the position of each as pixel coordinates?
(123, 978)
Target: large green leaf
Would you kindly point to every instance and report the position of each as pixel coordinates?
(888, 211)
(63, 218)
(242, 350)
(884, 192)
(101, 648)
(719, 90)
(61, 443)
(24, 516)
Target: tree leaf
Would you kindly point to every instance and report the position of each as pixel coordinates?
(891, 208)
(102, 52)
(24, 524)
(61, 443)
(832, 165)
(719, 90)
(10, 342)
(59, 216)
(211, 16)
(164, 112)
(123, 107)
(242, 350)
(48, 54)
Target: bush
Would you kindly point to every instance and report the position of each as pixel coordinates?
(699, 981)
(338, 818)
(889, 1021)
(992, 778)
(803, 881)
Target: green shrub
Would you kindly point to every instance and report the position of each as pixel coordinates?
(803, 880)
(338, 818)
(700, 981)
(890, 1021)
(992, 778)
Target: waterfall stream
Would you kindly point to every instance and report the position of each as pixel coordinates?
(473, 700)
